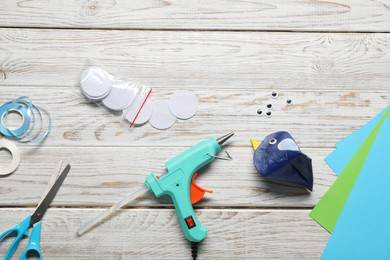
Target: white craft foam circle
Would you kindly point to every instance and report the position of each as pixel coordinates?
(13, 149)
(183, 104)
(145, 113)
(118, 98)
(95, 83)
(161, 118)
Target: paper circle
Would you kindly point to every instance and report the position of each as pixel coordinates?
(118, 98)
(183, 104)
(95, 83)
(13, 149)
(161, 117)
(143, 116)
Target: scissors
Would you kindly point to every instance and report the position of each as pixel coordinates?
(34, 222)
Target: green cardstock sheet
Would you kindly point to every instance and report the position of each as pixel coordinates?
(328, 209)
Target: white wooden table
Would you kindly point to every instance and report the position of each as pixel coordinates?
(331, 58)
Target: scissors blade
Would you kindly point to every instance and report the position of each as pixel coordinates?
(41, 209)
(52, 180)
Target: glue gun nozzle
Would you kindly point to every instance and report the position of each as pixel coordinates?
(224, 138)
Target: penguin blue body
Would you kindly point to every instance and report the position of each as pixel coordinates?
(279, 158)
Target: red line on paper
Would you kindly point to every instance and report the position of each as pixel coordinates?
(139, 110)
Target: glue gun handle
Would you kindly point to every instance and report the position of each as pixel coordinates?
(193, 230)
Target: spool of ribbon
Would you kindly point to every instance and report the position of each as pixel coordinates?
(28, 130)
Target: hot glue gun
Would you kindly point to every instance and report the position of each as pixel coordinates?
(179, 183)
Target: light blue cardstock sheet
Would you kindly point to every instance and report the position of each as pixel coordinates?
(347, 147)
(363, 228)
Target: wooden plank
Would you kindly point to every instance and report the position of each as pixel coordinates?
(315, 119)
(115, 164)
(208, 60)
(152, 234)
(277, 15)
(103, 176)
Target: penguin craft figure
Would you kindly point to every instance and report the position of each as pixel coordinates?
(278, 158)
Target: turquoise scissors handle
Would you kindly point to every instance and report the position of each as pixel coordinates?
(20, 231)
(33, 248)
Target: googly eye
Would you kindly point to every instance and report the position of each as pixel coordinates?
(269, 105)
(272, 141)
(268, 114)
(259, 112)
(274, 94)
(288, 101)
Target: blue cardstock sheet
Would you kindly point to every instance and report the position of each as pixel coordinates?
(347, 147)
(363, 228)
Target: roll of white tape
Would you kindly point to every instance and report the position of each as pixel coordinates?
(13, 149)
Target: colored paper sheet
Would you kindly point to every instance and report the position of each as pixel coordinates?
(347, 147)
(362, 231)
(328, 209)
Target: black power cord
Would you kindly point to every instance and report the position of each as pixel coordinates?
(194, 250)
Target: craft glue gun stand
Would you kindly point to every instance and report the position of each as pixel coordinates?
(178, 183)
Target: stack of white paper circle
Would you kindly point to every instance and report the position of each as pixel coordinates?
(95, 83)
(115, 94)
(119, 97)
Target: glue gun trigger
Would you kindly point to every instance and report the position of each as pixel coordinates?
(197, 192)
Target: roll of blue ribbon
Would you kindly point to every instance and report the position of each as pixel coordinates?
(32, 116)
(8, 107)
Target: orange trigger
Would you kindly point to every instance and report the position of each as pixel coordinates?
(197, 192)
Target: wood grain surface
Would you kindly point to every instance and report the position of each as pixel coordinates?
(181, 59)
(102, 176)
(331, 58)
(270, 15)
(155, 234)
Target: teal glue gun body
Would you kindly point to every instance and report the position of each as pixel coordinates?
(176, 183)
